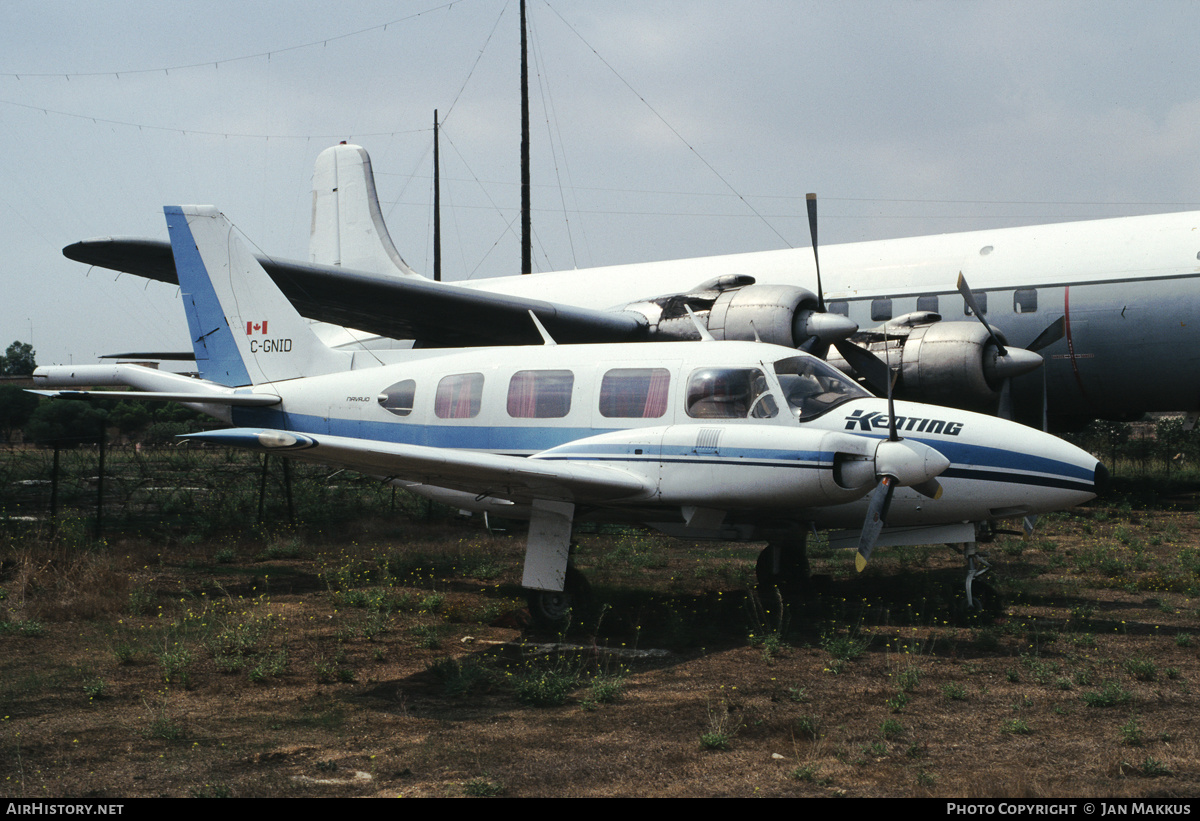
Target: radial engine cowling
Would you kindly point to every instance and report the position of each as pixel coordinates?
(958, 364)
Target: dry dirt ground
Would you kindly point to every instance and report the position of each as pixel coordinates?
(395, 660)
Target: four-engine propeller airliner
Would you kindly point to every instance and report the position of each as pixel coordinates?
(1109, 304)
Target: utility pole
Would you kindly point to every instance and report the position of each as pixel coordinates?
(437, 205)
(526, 231)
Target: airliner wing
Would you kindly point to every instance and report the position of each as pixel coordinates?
(436, 313)
(516, 478)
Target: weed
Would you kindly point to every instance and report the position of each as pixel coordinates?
(1183, 639)
(1152, 768)
(897, 702)
(808, 726)
(94, 688)
(541, 684)
(846, 646)
(1131, 733)
(953, 691)
(607, 689)
(1016, 726)
(891, 729)
(721, 728)
(1110, 694)
(908, 679)
(482, 787)
(808, 773)
(212, 791)
(1142, 669)
(174, 663)
(460, 677)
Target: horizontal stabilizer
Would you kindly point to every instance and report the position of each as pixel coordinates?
(242, 400)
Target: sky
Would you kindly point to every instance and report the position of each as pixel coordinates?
(660, 130)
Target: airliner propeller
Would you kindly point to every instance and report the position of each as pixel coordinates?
(865, 363)
(1007, 362)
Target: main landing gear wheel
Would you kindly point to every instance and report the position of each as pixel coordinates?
(783, 566)
(553, 611)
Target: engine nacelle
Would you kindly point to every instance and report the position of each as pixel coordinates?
(734, 307)
(949, 363)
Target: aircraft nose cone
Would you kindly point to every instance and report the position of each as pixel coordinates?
(1015, 362)
(827, 327)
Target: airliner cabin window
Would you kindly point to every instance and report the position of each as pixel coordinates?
(540, 394)
(729, 393)
(881, 310)
(980, 300)
(458, 396)
(634, 393)
(398, 399)
(1025, 301)
(927, 303)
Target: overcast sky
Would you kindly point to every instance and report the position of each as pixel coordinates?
(660, 130)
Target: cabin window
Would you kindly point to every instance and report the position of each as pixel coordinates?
(927, 303)
(398, 399)
(980, 300)
(540, 394)
(1025, 301)
(881, 310)
(729, 393)
(634, 393)
(842, 307)
(458, 396)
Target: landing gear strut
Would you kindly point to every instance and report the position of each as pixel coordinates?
(783, 565)
(982, 596)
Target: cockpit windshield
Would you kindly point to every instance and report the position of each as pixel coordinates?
(813, 387)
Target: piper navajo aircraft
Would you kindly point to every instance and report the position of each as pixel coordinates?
(718, 439)
(1108, 303)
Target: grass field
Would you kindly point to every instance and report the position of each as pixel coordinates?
(374, 650)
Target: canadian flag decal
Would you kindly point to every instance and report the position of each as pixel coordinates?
(256, 327)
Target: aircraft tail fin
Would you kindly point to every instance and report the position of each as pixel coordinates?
(347, 226)
(244, 330)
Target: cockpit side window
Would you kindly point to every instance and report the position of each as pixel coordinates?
(813, 387)
(729, 393)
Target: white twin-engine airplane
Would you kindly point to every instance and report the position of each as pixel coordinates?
(707, 439)
(1110, 305)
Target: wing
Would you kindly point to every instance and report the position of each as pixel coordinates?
(437, 313)
(517, 478)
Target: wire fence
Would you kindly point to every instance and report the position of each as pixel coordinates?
(184, 487)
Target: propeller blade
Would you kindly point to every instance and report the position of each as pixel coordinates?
(866, 364)
(965, 290)
(1055, 331)
(812, 231)
(881, 499)
(931, 488)
(892, 437)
